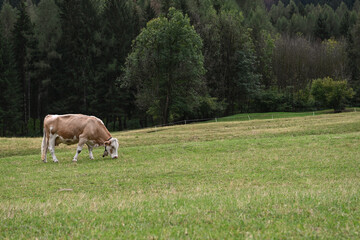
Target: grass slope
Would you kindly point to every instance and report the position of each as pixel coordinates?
(289, 178)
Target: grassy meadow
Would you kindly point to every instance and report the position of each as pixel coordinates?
(288, 178)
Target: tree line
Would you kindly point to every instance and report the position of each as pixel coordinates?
(139, 63)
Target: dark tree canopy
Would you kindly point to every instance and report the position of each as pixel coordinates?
(181, 59)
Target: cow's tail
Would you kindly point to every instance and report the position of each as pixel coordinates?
(44, 146)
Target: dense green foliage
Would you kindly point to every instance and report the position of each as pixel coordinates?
(240, 56)
(293, 178)
(166, 67)
(330, 93)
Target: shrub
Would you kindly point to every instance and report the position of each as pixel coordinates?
(330, 93)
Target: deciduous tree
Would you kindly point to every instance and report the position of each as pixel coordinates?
(166, 67)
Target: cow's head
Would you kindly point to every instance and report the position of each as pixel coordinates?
(111, 147)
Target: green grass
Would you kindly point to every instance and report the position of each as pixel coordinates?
(289, 178)
(275, 115)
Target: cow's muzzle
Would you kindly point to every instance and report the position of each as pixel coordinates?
(105, 154)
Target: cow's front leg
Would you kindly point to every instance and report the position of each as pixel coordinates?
(52, 140)
(79, 148)
(90, 151)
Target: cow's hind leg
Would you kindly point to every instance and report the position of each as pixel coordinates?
(52, 140)
(44, 146)
(81, 143)
(90, 148)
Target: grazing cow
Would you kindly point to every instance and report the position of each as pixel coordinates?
(80, 129)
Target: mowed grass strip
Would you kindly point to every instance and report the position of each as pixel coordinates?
(289, 178)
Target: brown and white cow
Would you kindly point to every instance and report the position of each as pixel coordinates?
(80, 129)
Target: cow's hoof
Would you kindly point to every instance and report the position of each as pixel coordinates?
(56, 161)
(44, 161)
(74, 160)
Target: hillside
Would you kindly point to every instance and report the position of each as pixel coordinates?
(283, 178)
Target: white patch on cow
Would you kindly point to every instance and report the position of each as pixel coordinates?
(78, 150)
(44, 147)
(52, 139)
(113, 148)
(54, 116)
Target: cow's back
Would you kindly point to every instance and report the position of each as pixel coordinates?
(73, 125)
(66, 126)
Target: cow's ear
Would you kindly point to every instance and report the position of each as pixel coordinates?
(107, 143)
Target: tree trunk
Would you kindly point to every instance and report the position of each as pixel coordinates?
(3, 128)
(114, 123)
(167, 102)
(166, 112)
(28, 96)
(39, 109)
(120, 126)
(24, 128)
(84, 92)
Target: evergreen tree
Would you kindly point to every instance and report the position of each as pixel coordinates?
(22, 33)
(354, 59)
(264, 44)
(332, 21)
(321, 29)
(120, 25)
(247, 82)
(10, 97)
(75, 74)
(276, 12)
(282, 25)
(149, 12)
(302, 10)
(297, 25)
(206, 19)
(8, 16)
(341, 10)
(47, 32)
(356, 6)
(291, 9)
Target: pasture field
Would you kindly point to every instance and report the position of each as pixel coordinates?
(289, 178)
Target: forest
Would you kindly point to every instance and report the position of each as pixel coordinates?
(138, 63)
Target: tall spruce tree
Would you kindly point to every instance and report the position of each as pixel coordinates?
(78, 47)
(10, 97)
(233, 38)
(8, 16)
(353, 51)
(321, 28)
(47, 32)
(22, 33)
(119, 27)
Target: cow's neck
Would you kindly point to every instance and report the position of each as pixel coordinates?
(105, 136)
